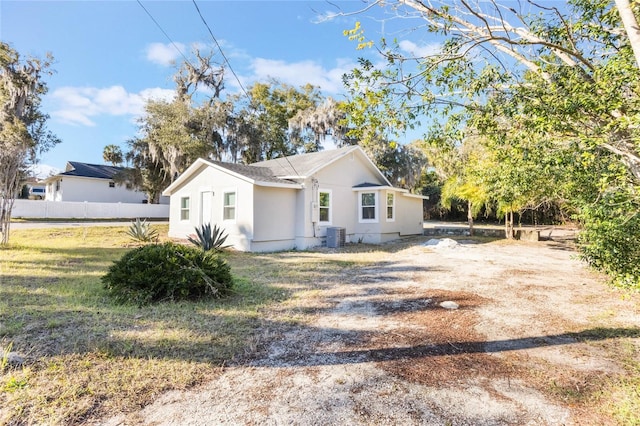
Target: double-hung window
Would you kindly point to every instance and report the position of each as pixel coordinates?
(368, 206)
(324, 206)
(229, 206)
(184, 208)
(391, 214)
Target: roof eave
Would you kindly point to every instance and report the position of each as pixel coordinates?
(279, 185)
(409, 195)
(386, 187)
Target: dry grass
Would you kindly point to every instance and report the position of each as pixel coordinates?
(86, 358)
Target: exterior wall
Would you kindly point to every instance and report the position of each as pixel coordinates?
(35, 209)
(214, 183)
(409, 215)
(73, 188)
(274, 217)
(340, 178)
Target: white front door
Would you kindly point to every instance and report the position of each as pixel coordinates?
(206, 207)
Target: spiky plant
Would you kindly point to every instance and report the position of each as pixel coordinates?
(208, 238)
(142, 231)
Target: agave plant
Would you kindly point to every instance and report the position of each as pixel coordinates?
(142, 231)
(208, 238)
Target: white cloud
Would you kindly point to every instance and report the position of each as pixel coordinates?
(164, 54)
(420, 51)
(300, 73)
(79, 105)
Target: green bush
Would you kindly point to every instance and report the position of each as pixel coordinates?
(168, 271)
(609, 239)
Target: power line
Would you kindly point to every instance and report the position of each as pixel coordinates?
(164, 32)
(220, 48)
(230, 67)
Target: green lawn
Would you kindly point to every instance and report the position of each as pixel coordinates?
(87, 357)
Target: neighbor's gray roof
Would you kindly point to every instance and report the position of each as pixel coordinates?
(98, 171)
(259, 174)
(303, 164)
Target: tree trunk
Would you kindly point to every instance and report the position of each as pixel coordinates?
(508, 225)
(9, 184)
(630, 26)
(470, 217)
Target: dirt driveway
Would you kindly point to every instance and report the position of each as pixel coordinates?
(535, 340)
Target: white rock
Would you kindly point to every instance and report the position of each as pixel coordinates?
(443, 243)
(449, 305)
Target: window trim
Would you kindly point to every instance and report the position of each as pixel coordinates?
(361, 218)
(329, 207)
(184, 209)
(225, 206)
(393, 206)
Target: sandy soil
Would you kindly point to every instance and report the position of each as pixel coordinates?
(377, 347)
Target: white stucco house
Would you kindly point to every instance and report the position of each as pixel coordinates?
(92, 183)
(292, 202)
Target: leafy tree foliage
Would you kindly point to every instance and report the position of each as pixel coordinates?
(23, 132)
(551, 95)
(113, 154)
(270, 120)
(279, 120)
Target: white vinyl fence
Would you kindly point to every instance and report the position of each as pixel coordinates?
(40, 209)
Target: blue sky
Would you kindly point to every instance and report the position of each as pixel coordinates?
(110, 56)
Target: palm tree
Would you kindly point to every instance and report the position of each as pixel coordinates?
(112, 154)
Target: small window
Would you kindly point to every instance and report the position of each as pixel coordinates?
(229, 209)
(368, 206)
(184, 208)
(324, 203)
(57, 185)
(112, 184)
(390, 206)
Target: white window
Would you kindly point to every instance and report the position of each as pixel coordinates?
(324, 205)
(368, 206)
(112, 184)
(391, 204)
(229, 206)
(184, 208)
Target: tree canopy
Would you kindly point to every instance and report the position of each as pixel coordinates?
(551, 95)
(23, 132)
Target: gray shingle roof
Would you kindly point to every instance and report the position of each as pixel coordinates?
(260, 174)
(303, 164)
(98, 171)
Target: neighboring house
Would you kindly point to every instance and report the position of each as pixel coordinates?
(291, 202)
(90, 182)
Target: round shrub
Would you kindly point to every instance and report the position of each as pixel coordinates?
(167, 271)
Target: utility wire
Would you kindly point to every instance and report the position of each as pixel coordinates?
(220, 48)
(165, 33)
(231, 68)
